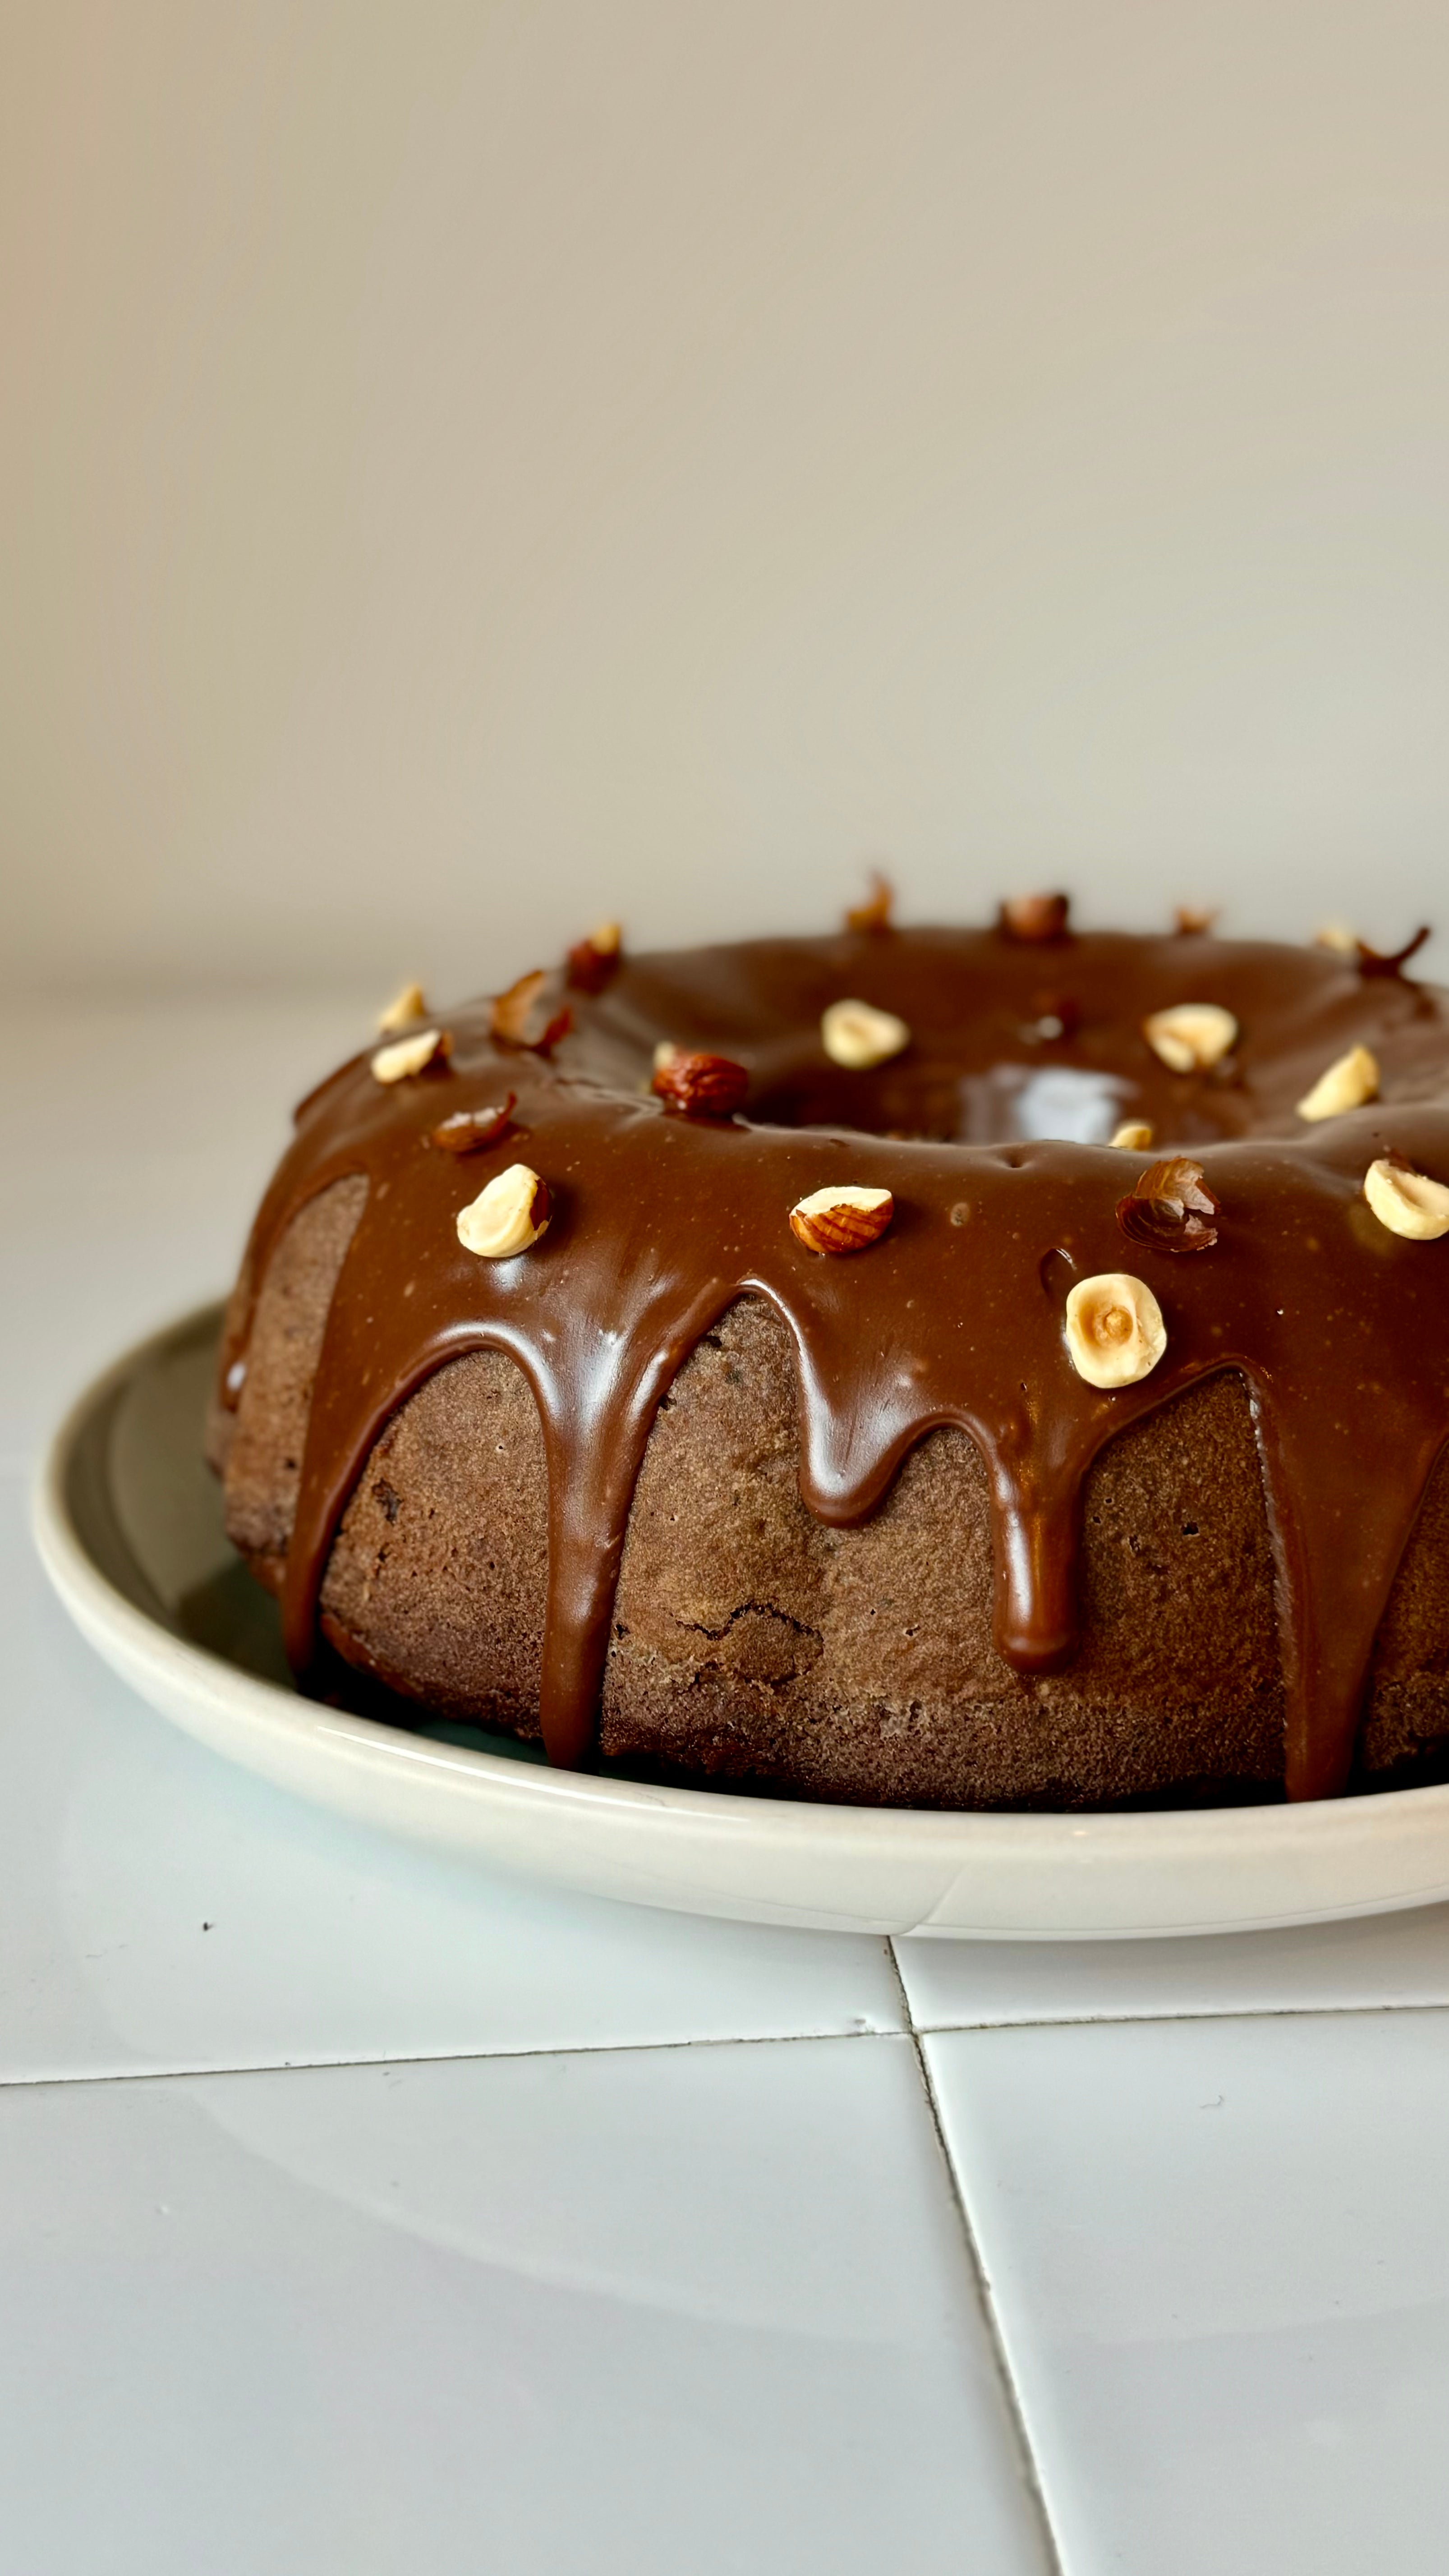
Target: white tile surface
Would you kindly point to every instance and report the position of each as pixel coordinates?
(627, 2315)
(120, 1840)
(1219, 2255)
(1385, 1959)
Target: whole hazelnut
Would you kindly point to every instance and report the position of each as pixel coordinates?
(1114, 1327)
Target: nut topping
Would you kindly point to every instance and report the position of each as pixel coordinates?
(1406, 1201)
(1133, 1136)
(858, 1036)
(1376, 961)
(593, 962)
(467, 1129)
(1192, 1037)
(515, 1013)
(1190, 921)
(699, 1086)
(506, 1217)
(874, 914)
(1171, 1209)
(1034, 918)
(1114, 1327)
(1337, 935)
(844, 1218)
(406, 1056)
(1349, 1081)
(403, 1012)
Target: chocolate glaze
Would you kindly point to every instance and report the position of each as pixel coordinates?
(1340, 1328)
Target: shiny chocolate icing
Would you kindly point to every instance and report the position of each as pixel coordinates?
(990, 1130)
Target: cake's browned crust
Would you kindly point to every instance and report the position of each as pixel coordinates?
(752, 1641)
(259, 1447)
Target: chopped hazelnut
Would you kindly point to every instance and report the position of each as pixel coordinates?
(1034, 918)
(843, 1218)
(468, 1129)
(1406, 1201)
(1337, 935)
(594, 961)
(513, 1015)
(403, 1012)
(858, 1036)
(1133, 1136)
(1192, 1037)
(1389, 961)
(1349, 1081)
(408, 1056)
(699, 1085)
(1171, 1209)
(507, 1216)
(1114, 1327)
(1191, 921)
(874, 915)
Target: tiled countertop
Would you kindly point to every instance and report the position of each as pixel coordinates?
(361, 2213)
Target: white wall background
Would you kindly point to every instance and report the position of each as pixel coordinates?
(468, 466)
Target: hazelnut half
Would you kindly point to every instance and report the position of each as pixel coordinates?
(858, 1036)
(1133, 1136)
(407, 1056)
(506, 1217)
(1406, 1201)
(843, 1218)
(1192, 1037)
(404, 1011)
(1115, 1332)
(1349, 1081)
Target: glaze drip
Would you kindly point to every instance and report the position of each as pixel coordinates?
(660, 1223)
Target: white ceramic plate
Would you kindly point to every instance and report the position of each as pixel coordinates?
(128, 1522)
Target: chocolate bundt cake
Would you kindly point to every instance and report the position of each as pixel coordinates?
(933, 1367)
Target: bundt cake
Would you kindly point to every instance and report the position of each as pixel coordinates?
(913, 1366)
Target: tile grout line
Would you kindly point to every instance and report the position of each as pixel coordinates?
(445, 2057)
(1026, 2459)
(1127, 2019)
(907, 2029)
